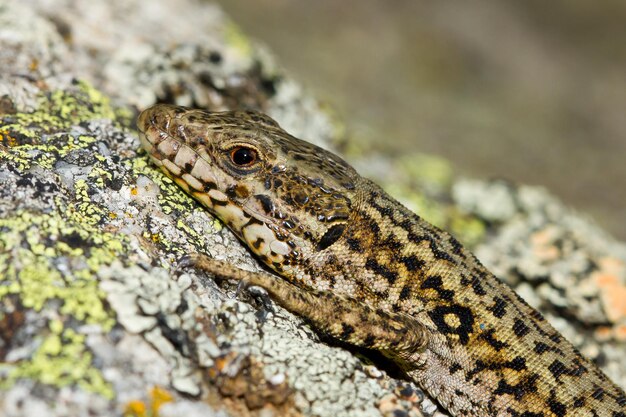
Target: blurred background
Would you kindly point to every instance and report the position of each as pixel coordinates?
(532, 91)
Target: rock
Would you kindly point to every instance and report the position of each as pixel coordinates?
(94, 317)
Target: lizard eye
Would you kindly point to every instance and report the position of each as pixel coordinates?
(243, 157)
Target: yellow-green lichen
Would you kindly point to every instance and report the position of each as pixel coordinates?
(181, 225)
(99, 172)
(418, 203)
(61, 360)
(468, 229)
(150, 408)
(434, 174)
(37, 244)
(171, 198)
(56, 112)
(84, 207)
(60, 109)
(217, 224)
(426, 170)
(34, 242)
(49, 259)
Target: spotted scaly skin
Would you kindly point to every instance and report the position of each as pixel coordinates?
(366, 270)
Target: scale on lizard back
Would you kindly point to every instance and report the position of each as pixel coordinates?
(366, 270)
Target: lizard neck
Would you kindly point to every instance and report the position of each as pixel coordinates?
(371, 260)
(389, 256)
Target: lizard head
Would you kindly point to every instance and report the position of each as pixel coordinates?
(284, 197)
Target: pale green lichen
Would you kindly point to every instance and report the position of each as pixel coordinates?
(418, 203)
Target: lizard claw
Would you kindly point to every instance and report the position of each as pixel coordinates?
(241, 287)
(260, 294)
(186, 261)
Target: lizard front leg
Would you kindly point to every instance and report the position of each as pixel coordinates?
(343, 318)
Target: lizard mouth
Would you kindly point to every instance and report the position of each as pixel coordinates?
(155, 118)
(189, 167)
(153, 125)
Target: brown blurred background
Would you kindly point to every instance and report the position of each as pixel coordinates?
(531, 91)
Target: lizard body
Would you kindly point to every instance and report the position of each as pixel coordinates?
(366, 270)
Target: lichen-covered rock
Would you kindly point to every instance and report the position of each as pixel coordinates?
(94, 318)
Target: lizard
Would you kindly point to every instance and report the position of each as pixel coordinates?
(363, 269)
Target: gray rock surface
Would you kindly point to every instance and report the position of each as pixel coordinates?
(94, 318)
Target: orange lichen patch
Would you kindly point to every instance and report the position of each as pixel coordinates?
(6, 139)
(543, 246)
(223, 365)
(608, 278)
(603, 333)
(157, 397)
(614, 302)
(608, 333)
(612, 265)
(135, 408)
(620, 332)
(34, 65)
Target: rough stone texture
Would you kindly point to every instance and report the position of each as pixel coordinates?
(94, 318)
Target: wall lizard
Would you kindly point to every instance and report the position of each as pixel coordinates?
(364, 269)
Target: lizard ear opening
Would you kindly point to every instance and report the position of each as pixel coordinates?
(331, 236)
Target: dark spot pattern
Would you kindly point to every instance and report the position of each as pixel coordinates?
(354, 245)
(520, 329)
(412, 263)
(405, 293)
(464, 316)
(381, 270)
(436, 283)
(331, 236)
(489, 337)
(499, 307)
